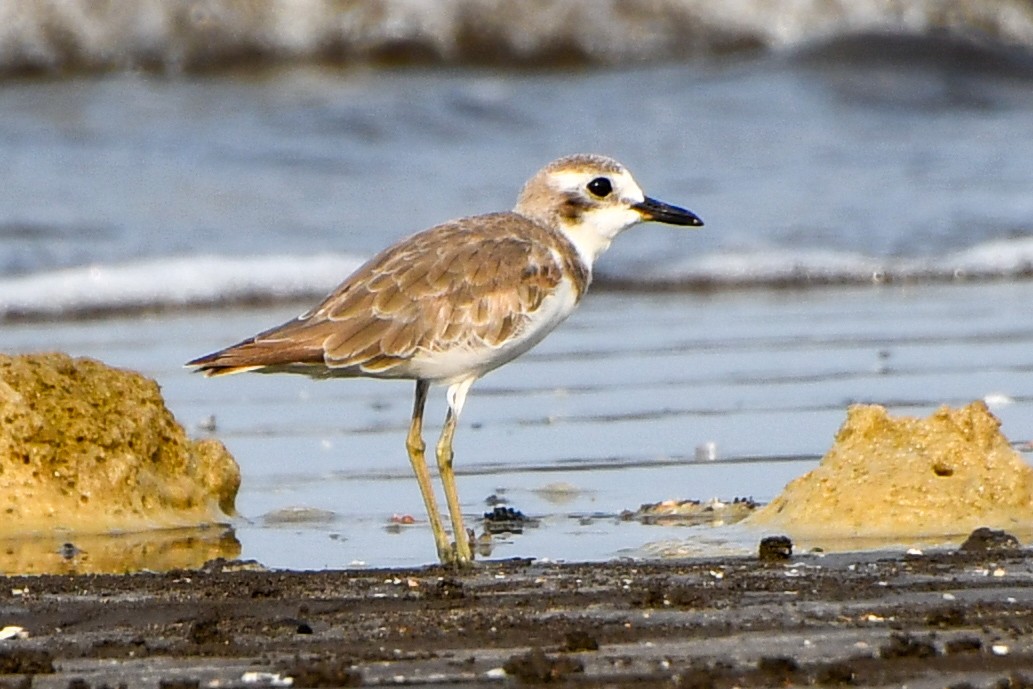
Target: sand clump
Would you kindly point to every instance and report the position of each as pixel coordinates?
(890, 477)
(87, 448)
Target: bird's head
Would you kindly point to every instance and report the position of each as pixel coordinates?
(592, 199)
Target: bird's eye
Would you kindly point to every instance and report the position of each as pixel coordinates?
(601, 187)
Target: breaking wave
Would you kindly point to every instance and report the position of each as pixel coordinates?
(212, 281)
(169, 283)
(1007, 259)
(60, 36)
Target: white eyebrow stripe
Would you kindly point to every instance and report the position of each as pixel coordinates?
(623, 183)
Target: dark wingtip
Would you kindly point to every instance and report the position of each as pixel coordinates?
(202, 361)
(209, 365)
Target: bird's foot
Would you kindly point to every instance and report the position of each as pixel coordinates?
(453, 561)
(458, 556)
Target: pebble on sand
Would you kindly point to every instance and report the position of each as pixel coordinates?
(88, 449)
(889, 477)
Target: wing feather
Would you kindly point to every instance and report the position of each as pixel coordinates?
(466, 284)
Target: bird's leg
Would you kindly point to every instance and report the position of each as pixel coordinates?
(448, 480)
(415, 445)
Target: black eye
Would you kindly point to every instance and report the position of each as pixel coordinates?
(600, 186)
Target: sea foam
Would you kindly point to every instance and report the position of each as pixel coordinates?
(175, 35)
(215, 281)
(993, 260)
(170, 283)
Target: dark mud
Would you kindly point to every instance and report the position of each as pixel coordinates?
(932, 620)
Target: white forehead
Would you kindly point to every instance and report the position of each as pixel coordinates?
(624, 184)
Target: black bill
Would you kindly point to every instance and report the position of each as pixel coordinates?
(658, 211)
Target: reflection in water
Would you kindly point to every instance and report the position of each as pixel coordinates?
(155, 551)
(744, 539)
(712, 512)
(559, 493)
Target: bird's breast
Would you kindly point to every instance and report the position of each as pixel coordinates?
(472, 357)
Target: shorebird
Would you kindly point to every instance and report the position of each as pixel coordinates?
(452, 303)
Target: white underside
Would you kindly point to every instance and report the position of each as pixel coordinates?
(458, 368)
(460, 364)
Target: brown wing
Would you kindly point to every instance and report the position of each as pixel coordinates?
(468, 283)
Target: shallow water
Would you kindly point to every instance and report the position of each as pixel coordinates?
(224, 154)
(606, 414)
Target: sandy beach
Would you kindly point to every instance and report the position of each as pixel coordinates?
(935, 619)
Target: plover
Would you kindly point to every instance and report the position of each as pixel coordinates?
(452, 303)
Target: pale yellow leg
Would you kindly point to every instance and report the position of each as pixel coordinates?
(448, 480)
(416, 447)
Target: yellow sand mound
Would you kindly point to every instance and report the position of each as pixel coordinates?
(92, 449)
(895, 477)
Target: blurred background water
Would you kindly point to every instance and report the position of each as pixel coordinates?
(864, 170)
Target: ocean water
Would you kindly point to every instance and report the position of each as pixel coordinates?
(181, 175)
(638, 398)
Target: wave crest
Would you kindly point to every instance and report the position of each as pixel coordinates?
(1006, 259)
(170, 283)
(190, 282)
(175, 35)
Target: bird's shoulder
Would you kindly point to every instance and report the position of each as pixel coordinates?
(461, 261)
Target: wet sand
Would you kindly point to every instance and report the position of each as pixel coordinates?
(876, 619)
(613, 408)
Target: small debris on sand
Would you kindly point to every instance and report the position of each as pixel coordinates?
(324, 672)
(507, 520)
(903, 477)
(984, 540)
(26, 661)
(907, 646)
(580, 640)
(775, 549)
(712, 512)
(537, 667)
